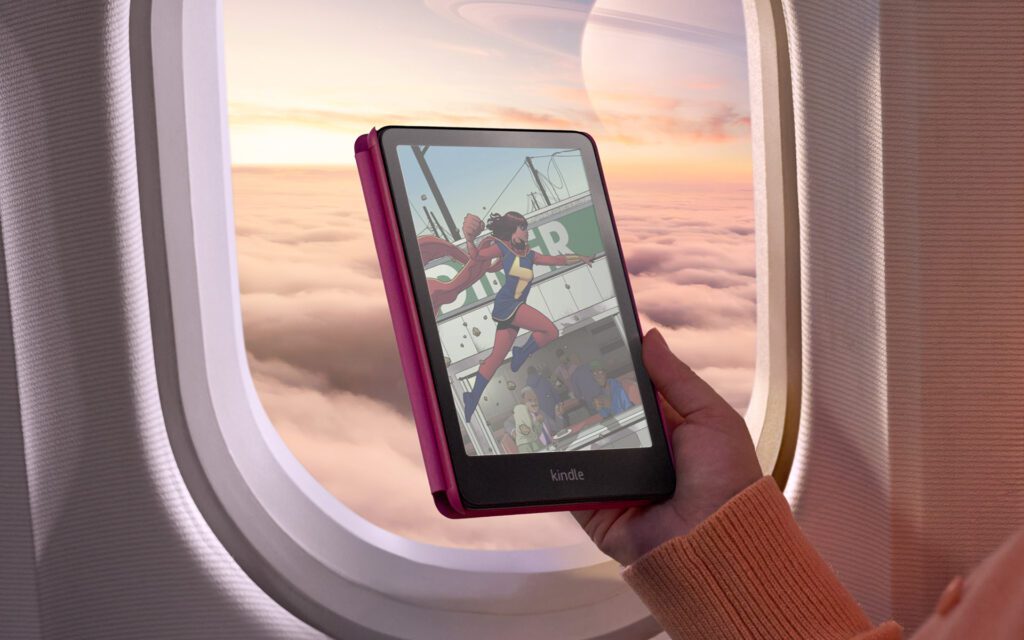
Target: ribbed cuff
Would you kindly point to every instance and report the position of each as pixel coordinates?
(748, 572)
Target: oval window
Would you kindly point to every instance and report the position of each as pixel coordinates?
(663, 88)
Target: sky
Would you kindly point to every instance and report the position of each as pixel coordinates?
(660, 84)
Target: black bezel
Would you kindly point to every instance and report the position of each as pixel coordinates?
(611, 475)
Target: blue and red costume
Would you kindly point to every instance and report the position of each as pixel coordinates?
(509, 252)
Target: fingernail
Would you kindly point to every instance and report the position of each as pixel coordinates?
(655, 335)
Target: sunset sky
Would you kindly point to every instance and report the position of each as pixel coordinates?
(662, 86)
(661, 83)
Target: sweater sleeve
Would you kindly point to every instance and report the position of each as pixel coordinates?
(749, 572)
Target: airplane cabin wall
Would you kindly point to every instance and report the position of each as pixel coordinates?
(840, 482)
(118, 548)
(910, 464)
(910, 144)
(953, 158)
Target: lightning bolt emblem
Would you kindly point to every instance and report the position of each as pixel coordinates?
(524, 275)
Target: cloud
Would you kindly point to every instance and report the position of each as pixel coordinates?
(627, 117)
(696, 306)
(312, 297)
(733, 384)
(645, 118)
(571, 120)
(324, 117)
(662, 258)
(328, 119)
(715, 278)
(367, 455)
(323, 355)
(345, 339)
(461, 49)
(704, 348)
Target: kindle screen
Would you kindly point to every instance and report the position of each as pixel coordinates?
(523, 294)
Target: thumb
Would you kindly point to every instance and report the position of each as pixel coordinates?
(681, 387)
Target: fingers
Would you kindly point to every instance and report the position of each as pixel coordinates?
(583, 517)
(472, 225)
(672, 417)
(684, 390)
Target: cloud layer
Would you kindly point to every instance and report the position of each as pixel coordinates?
(323, 354)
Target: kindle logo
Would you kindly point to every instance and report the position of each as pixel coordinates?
(571, 475)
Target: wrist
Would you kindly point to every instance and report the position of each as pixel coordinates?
(684, 519)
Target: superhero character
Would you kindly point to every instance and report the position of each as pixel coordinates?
(507, 247)
(444, 292)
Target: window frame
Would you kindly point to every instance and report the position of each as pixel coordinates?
(311, 553)
(775, 401)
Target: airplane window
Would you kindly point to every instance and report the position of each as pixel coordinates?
(662, 85)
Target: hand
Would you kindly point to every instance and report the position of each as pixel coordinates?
(472, 226)
(714, 459)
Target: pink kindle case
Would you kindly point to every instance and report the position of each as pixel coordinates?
(412, 348)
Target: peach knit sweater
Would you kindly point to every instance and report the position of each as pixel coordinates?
(749, 572)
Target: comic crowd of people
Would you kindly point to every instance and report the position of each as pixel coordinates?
(565, 400)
